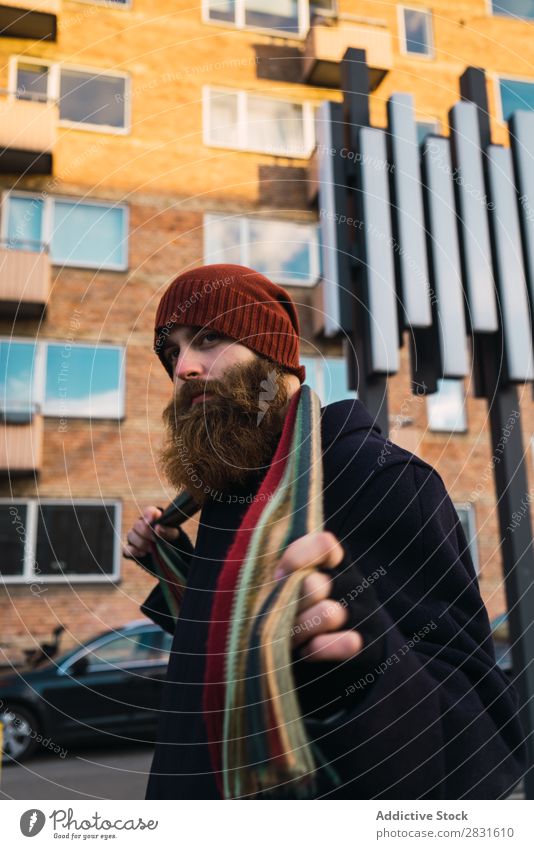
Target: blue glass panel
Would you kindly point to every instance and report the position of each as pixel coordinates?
(281, 249)
(16, 376)
(83, 381)
(446, 407)
(417, 25)
(515, 8)
(221, 10)
(516, 94)
(24, 223)
(335, 380)
(92, 99)
(88, 234)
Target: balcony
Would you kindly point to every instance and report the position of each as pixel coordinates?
(21, 443)
(35, 19)
(24, 282)
(27, 136)
(327, 41)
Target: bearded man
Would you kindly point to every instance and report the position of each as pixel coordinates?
(392, 658)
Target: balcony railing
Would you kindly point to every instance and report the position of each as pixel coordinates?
(27, 135)
(327, 41)
(24, 280)
(21, 442)
(35, 19)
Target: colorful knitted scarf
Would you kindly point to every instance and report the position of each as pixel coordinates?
(257, 738)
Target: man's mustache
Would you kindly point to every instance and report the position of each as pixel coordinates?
(184, 396)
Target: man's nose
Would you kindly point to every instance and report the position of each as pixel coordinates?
(188, 366)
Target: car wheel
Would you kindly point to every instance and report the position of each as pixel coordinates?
(20, 731)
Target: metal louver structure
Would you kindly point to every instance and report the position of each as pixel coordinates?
(435, 242)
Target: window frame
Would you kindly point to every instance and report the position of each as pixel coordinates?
(308, 122)
(497, 78)
(493, 14)
(29, 575)
(48, 225)
(243, 221)
(239, 21)
(53, 91)
(109, 3)
(38, 388)
(402, 32)
(472, 540)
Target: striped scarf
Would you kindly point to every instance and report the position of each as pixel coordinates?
(257, 738)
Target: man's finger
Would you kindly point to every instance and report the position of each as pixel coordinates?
(315, 587)
(327, 615)
(317, 549)
(340, 645)
(169, 534)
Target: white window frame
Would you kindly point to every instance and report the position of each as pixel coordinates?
(53, 91)
(239, 22)
(402, 32)
(48, 228)
(308, 121)
(244, 244)
(39, 375)
(109, 3)
(30, 531)
(510, 17)
(472, 539)
(497, 88)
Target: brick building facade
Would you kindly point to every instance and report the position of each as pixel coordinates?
(141, 138)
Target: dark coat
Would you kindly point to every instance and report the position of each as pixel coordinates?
(438, 719)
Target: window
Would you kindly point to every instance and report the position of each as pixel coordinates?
(425, 128)
(446, 407)
(515, 94)
(416, 31)
(61, 379)
(328, 376)
(87, 98)
(52, 541)
(513, 8)
(289, 17)
(466, 514)
(244, 121)
(79, 233)
(141, 647)
(285, 251)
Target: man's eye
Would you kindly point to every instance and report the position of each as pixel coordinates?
(211, 336)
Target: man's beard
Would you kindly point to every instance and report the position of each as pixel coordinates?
(227, 441)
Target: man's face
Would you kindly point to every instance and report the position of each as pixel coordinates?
(203, 354)
(225, 418)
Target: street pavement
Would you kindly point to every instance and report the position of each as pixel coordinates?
(86, 773)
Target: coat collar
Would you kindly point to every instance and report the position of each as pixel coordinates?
(345, 417)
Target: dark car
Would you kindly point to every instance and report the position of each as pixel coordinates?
(110, 687)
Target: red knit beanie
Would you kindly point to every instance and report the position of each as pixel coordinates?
(239, 302)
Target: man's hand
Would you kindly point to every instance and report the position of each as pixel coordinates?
(141, 536)
(318, 627)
